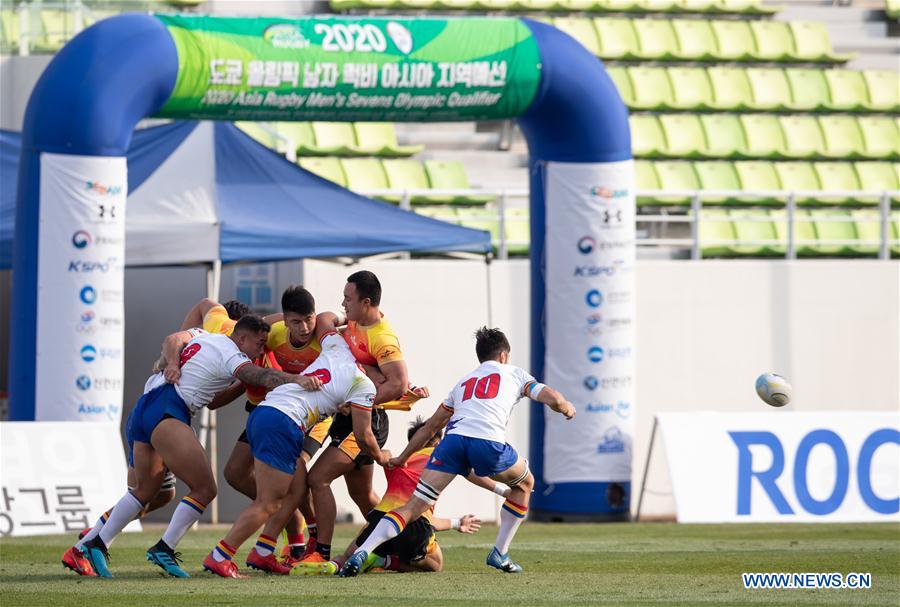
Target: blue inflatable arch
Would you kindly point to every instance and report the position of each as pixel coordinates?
(123, 69)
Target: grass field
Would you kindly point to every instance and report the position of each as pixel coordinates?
(617, 564)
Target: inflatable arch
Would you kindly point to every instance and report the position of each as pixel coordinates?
(69, 245)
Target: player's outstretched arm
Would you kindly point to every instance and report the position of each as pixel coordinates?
(555, 401)
(272, 378)
(465, 524)
(362, 430)
(171, 355)
(326, 322)
(196, 314)
(434, 425)
(226, 396)
(489, 484)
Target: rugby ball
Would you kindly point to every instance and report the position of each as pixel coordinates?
(773, 389)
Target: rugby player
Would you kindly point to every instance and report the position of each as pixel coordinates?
(275, 431)
(478, 410)
(159, 433)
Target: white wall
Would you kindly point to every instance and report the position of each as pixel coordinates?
(705, 331)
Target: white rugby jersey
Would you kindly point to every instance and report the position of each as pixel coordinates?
(208, 364)
(342, 382)
(484, 399)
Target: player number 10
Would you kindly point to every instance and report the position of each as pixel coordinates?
(482, 387)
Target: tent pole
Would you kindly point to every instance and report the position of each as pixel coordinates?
(490, 306)
(208, 419)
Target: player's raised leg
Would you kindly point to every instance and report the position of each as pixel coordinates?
(521, 482)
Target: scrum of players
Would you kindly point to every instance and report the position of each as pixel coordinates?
(316, 381)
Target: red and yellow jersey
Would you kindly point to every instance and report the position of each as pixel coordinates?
(374, 344)
(216, 320)
(290, 358)
(401, 482)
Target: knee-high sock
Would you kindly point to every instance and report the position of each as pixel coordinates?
(186, 514)
(95, 530)
(122, 513)
(389, 527)
(511, 516)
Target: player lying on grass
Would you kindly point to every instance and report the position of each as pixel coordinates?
(478, 410)
(159, 433)
(275, 431)
(416, 548)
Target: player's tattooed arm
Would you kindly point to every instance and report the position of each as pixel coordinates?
(171, 355)
(434, 425)
(272, 378)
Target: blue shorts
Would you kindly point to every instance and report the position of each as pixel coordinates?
(274, 438)
(459, 454)
(152, 408)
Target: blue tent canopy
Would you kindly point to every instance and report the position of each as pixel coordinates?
(201, 192)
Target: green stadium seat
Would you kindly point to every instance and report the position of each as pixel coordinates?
(364, 174)
(684, 135)
(327, 168)
(837, 176)
(798, 177)
(834, 238)
(651, 87)
(533, 5)
(804, 231)
(54, 28)
(345, 5)
(616, 38)
(746, 7)
(645, 179)
(300, 134)
(332, 139)
(802, 136)
(656, 39)
(892, 9)
(761, 176)
(518, 232)
(718, 175)
(582, 30)
(380, 139)
(755, 225)
(696, 40)
(481, 219)
(658, 6)
(619, 6)
(451, 175)
(847, 90)
(809, 89)
(773, 40)
(647, 137)
(491, 5)
(691, 88)
(406, 174)
(763, 135)
(716, 233)
(731, 88)
(868, 231)
(881, 136)
(877, 177)
(724, 136)
(770, 88)
(734, 40)
(811, 42)
(676, 175)
(9, 30)
(884, 90)
(619, 76)
(581, 6)
(261, 135)
(698, 6)
(842, 137)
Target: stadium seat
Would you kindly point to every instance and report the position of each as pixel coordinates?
(760, 176)
(583, 31)
(846, 90)
(651, 88)
(261, 135)
(676, 175)
(835, 177)
(619, 76)
(770, 89)
(451, 175)
(364, 174)
(811, 42)
(755, 225)
(798, 177)
(734, 40)
(868, 232)
(763, 135)
(809, 89)
(881, 137)
(773, 40)
(9, 30)
(834, 238)
(697, 6)
(696, 40)
(481, 219)
(731, 88)
(620, 6)
(645, 179)
(327, 168)
(658, 6)
(842, 137)
(877, 177)
(656, 39)
(380, 139)
(724, 136)
(718, 175)
(804, 232)
(691, 88)
(616, 39)
(647, 137)
(332, 139)
(406, 174)
(802, 136)
(747, 7)
(716, 233)
(518, 232)
(884, 90)
(300, 134)
(684, 135)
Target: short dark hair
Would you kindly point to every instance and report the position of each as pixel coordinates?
(298, 300)
(489, 343)
(367, 285)
(252, 324)
(414, 427)
(236, 309)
